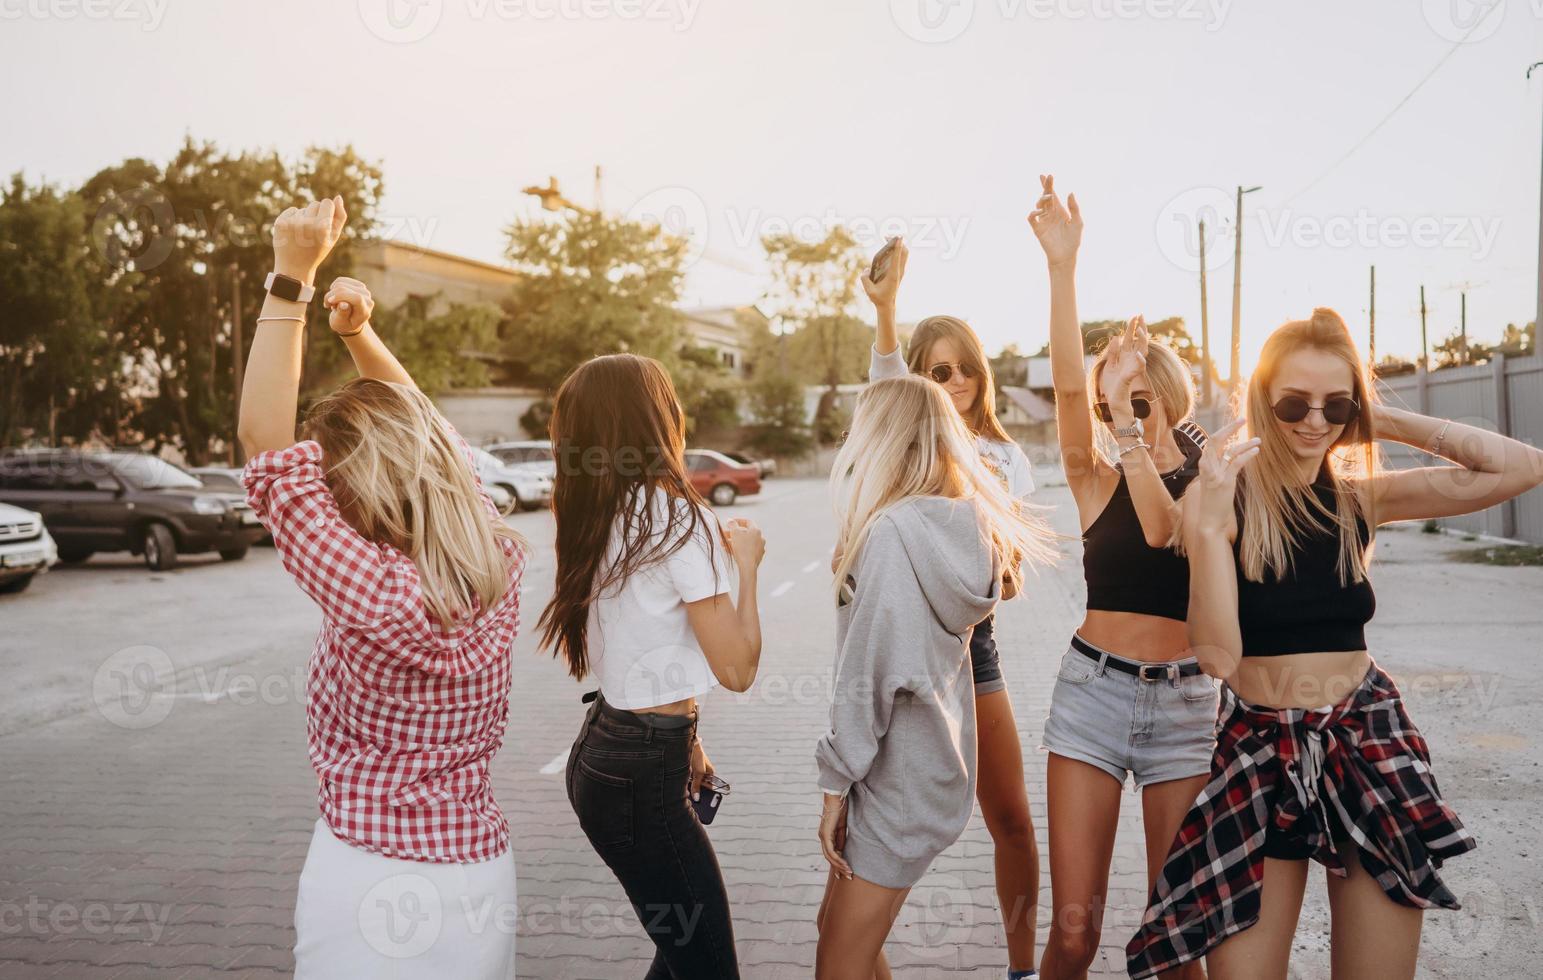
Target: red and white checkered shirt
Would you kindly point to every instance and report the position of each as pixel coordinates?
(402, 714)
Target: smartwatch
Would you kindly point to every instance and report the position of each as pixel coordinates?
(288, 288)
(1133, 431)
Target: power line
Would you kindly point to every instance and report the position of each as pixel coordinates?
(1394, 111)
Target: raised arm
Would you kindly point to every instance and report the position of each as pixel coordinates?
(1124, 366)
(883, 295)
(1059, 230)
(270, 393)
(1210, 527)
(1490, 468)
(351, 305)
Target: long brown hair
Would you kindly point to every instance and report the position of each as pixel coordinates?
(1278, 509)
(982, 418)
(400, 478)
(618, 436)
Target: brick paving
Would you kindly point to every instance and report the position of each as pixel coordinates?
(173, 850)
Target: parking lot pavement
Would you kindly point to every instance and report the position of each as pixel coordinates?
(157, 800)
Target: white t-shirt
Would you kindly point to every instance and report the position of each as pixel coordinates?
(1004, 459)
(641, 646)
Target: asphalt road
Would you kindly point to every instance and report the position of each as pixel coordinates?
(156, 800)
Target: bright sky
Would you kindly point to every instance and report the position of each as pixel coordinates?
(930, 117)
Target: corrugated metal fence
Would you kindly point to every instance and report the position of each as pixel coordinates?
(1504, 395)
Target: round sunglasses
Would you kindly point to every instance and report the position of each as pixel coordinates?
(1339, 410)
(942, 373)
(1139, 407)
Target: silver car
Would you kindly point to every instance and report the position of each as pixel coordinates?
(530, 487)
(26, 548)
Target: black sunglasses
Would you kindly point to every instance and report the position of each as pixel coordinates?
(1139, 407)
(941, 373)
(1339, 410)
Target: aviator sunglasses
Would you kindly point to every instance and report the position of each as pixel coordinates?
(941, 373)
(1139, 407)
(1339, 410)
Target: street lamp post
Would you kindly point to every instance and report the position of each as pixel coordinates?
(1237, 290)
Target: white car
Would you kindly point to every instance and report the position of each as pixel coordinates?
(535, 453)
(529, 487)
(26, 548)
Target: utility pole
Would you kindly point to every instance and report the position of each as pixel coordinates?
(1424, 347)
(1463, 330)
(1205, 330)
(1371, 332)
(599, 199)
(237, 354)
(1237, 290)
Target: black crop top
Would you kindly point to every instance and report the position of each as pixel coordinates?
(1123, 572)
(1309, 611)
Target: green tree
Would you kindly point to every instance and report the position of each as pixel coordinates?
(776, 402)
(708, 393)
(440, 350)
(591, 284)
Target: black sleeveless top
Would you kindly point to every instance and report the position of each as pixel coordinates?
(1308, 611)
(1123, 572)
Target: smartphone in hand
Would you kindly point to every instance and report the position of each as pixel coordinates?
(710, 797)
(881, 259)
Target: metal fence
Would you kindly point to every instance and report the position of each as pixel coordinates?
(1504, 395)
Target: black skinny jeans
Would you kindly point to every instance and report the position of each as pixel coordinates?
(628, 779)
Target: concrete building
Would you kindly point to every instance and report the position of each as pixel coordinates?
(726, 330)
(397, 271)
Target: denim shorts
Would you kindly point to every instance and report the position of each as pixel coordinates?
(985, 662)
(1153, 730)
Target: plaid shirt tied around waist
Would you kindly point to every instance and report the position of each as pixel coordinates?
(1359, 770)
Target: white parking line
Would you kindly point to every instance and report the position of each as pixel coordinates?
(782, 589)
(811, 567)
(556, 765)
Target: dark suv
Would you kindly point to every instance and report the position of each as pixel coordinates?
(123, 501)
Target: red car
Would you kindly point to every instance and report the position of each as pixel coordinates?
(719, 478)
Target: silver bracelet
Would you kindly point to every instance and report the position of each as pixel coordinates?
(297, 319)
(1139, 445)
(1440, 438)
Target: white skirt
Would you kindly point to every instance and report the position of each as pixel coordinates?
(360, 914)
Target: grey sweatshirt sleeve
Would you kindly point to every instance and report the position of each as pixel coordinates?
(882, 367)
(870, 668)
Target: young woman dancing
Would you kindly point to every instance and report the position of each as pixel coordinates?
(379, 516)
(1316, 757)
(642, 602)
(945, 349)
(1130, 700)
(927, 537)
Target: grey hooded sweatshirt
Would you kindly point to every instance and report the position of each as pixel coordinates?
(902, 724)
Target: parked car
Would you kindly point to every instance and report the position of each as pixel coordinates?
(125, 501)
(719, 478)
(502, 499)
(530, 487)
(226, 481)
(26, 548)
(766, 467)
(535, 453)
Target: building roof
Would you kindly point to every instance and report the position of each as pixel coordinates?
(1038, 409)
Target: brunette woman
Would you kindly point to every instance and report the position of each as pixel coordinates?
(645, 576)
(946, 350)
(379, 517)
(1316, 757)
(1130, 700)
(927, 536)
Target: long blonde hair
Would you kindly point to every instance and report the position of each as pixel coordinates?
(982, 419)
(1277, 508)
(400, 478)
(907, 441)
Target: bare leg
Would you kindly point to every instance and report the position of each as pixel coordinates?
(1263, 951)
(1163, 807)
(1371, 935)
(1084, 808)
(1004, 802)
(854, 920)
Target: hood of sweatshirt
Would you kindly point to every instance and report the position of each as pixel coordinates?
(951, 557)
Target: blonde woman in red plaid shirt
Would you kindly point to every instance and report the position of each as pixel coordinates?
(379, 516)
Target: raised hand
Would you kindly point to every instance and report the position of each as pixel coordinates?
(882, 293)
(1057, 226)
(1220, 464)
(302, 237)
(746, 544)
(1125, 361)
(350, 303)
